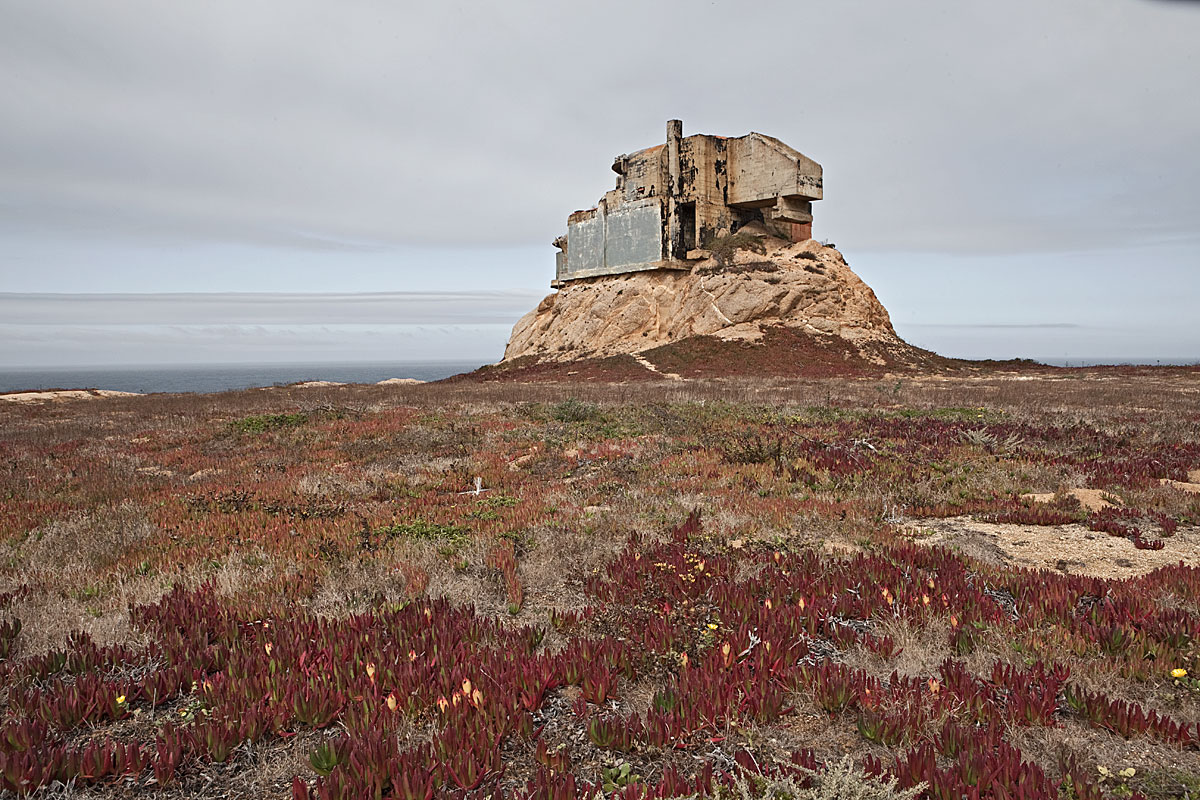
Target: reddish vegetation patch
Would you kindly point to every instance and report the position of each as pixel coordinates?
(614, 369)
(455, 590)
(732, 639)
(783, 352)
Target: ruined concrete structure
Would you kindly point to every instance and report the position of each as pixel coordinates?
(673, 198)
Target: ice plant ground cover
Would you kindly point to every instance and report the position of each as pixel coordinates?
(643, 591)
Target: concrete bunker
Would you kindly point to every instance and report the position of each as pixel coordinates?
(673, 198)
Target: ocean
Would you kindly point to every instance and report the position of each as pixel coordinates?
(225, 377)
(222, 377)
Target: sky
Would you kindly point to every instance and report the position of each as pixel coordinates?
(275, 181)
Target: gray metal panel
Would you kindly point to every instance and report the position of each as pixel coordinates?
(634, 235)
(585, 244)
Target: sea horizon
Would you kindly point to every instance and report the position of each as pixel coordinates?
(206, 378)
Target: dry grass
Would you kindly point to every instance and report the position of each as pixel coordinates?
(88, 545)
(113, 502)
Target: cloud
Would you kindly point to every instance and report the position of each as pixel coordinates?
(41, 330)
(996, 326)
(41, 346)
(313, 146)
(228, 308)
(302, 123)
(1053, 342)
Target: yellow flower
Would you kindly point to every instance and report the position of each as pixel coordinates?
(121, 700)
(1179, 673)
(712, 626)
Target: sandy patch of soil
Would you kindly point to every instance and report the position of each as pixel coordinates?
(1192, 484)
(63, 394)
(156, 471)
(1090, 499)
(645, 362)
(1063, 548)
(398, 382)
(208, 472)
(315, 384)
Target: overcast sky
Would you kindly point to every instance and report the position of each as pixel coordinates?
(1013, 179)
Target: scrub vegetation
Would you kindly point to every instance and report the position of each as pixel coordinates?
(659, 589)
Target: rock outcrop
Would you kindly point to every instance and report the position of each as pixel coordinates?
(734, 295)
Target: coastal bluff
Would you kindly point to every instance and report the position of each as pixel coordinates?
(739, 291)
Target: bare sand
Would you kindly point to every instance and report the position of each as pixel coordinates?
(63, 394)
(1062, 548)
(1192, 484)
(1090, 499)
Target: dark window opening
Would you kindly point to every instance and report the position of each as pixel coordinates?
(687, 229)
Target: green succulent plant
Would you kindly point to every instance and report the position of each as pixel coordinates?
(616, 778)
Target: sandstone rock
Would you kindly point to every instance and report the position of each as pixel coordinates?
(802, 285)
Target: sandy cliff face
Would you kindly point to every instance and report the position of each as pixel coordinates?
(804, 286)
